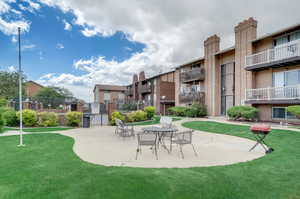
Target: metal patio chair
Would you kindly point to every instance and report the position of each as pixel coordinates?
(146, 139)
(183, 138)
(123, 130)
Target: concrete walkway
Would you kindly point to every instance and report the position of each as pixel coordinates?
(99, 145)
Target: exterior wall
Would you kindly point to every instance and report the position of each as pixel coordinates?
(265, 112)
(31, 88)
(245, 32)
(211, 47)
(177, 87)
(263, 79)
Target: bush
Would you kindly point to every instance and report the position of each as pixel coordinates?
(178, 110)
(3, 102)
(294, 110)
(196, 110)
(129, 107)
(139, 116)
(242, 113)
(116, 115)
(10, 118)
(29, 117)
(47, 119)
(74, 118)
(150, 111)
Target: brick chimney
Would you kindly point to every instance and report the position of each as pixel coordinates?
(245, 32)
(211, 46)
(135, 78)
(142, 76)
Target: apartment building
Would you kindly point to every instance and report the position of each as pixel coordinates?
(260, 71)
(158, 91)
(32, 88)
(105, 94)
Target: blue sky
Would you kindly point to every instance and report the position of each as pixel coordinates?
(52, 49)
(79, 43)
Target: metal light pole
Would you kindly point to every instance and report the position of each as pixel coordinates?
(20, 91)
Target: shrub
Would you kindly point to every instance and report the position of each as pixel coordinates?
(116, 115)
(130, 117)
(48, 119)
(242, 113)
(10, 118)
(129, 107)
(29, 117)
(294, 110)
(3, 102)
(178, 110)
(191, 112)
(139, 116)
(74, 118)
(150, 111)
(197, 110)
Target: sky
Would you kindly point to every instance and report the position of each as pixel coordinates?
(79, 43)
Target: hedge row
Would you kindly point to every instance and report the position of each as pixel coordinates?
(195, 110)
(31, 118)
(134, 116)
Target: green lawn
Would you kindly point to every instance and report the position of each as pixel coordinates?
(48, 168)
(38, 129)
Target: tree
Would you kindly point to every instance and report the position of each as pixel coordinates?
(53, 96)
(9, 84)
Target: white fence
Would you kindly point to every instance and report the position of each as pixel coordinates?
(274, 93)
(291, 49)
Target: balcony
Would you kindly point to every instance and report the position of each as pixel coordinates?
(283, 55)
(145, 89)
(193, 75)
(192, 97)
(129, 92)
(274, 95)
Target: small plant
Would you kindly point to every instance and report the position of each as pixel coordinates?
(242, 113)
(139, 116)
(74, 118)
(10, 118)
(47, 119)
(196, 110)
(116, 115)
(294, 110)
(150, 111)
(29, 117)
(3, 102)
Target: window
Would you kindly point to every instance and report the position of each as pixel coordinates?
(287, 38)
(281, 113)
(286, 78)
(106, 96)
(121, 96)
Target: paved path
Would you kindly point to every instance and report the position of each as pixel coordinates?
(101, 146)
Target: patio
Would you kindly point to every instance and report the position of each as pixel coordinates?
(101, 146)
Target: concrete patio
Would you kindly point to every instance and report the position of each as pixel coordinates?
(99, 145)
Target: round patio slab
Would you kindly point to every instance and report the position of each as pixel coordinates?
(99, 145)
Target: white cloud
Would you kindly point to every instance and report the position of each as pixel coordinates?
(68, 26)
(12, 69)
(28, 47)
(11, 28)
(172, 31)
(30, 7)
(59, 46)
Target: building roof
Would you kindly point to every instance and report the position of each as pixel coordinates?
(107, 87)
(190, 62)
(33, 82)
(283, 30)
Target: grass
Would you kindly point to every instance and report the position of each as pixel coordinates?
(38, 129)
(48, 168)
(152, 122)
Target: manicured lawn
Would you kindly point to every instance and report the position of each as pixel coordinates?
(38, 129)
(152, 122)
(48, 168)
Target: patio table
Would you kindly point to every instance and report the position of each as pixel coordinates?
(160, 133)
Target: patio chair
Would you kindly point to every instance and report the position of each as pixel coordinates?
(165, 122)
(146, 139)
(123, 130)
(184, 138)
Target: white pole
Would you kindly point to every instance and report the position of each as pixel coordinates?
(20, 91)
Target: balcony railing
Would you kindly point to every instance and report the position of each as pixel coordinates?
(193, 75)
(145, 89)
(289, 50)
(192, 97)
(274, 93)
